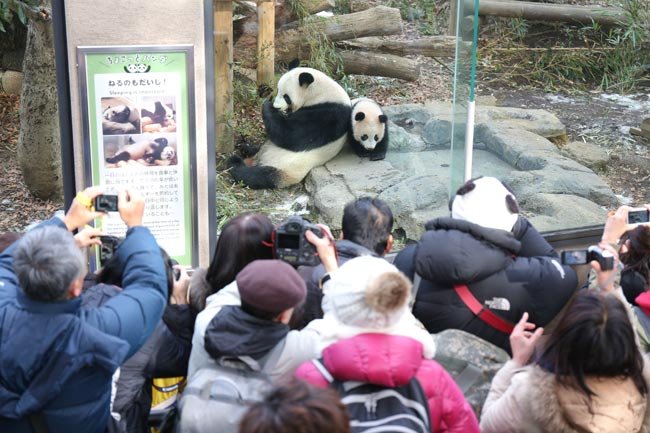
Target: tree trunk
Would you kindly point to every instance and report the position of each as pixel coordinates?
(382, 65)
(430, 46)
(378, 21)
(607, 16)
(39, 149)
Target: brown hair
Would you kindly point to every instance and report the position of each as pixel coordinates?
(297, 407)
(243, 239)
(594, 338)
(637, 256)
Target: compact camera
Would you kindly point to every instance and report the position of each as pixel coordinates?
(582, 257)
(290, 244)
(105, 203)
(639, 215)
(108, 247)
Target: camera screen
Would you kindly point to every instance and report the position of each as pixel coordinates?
(578, 257)
(637, 216)
(107, 202)
(291, 242)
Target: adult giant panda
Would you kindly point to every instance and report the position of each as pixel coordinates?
(307, 125)
(368, 129)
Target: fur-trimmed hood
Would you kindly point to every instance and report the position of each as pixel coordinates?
(617, 408)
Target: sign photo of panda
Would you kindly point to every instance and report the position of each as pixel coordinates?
(119, 116)
(150, 150)
(158, 114)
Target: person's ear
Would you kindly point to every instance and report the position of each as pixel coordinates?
(76, 287)
(285, 316)
(389, 244)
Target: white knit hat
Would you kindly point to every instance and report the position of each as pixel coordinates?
(487, 202)
(368, 292)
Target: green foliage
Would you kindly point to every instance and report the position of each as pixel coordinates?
(426, 14)
(10, 9)
(578, 59)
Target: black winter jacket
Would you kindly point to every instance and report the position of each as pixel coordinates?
(510, 273)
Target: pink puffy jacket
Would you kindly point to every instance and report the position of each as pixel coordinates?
(392, 360)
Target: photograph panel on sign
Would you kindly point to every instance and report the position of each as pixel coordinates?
(150, 150)
(119, 116)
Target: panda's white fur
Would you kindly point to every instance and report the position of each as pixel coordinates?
(368, 129)
(294, 166)
(324, 90)
(307, 125)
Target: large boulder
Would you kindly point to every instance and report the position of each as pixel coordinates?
(414, 177)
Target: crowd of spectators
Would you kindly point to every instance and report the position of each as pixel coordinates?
(80, 352)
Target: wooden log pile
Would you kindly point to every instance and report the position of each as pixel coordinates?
(357, 36)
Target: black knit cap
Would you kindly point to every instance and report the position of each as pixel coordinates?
(272, 286)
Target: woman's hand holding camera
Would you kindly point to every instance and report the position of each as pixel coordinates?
(181, 285)
(325, 247)
(87, 237)
(605, 278)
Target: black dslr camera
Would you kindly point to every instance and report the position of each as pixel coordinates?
(291, 245)
(108, 247)
(582, 257)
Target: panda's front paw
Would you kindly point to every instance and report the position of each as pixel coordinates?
(378, 157)
(246, 150)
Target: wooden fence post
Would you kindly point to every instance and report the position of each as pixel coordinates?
(265, 42)
(223, 73)
(453, 16)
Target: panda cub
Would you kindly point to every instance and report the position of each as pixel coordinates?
(307, 125)
(368, 129)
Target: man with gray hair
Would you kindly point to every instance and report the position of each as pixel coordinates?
(56, 358)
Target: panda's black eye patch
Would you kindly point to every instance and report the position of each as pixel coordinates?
(364, 137)
(376, 138)
(287, 99)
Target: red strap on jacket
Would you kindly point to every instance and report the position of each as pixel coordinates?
(486, 315)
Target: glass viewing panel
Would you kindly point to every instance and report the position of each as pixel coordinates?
(423, 83)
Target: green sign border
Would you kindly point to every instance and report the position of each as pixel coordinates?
(94, 61)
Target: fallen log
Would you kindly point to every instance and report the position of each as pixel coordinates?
(431, 46)
(377, 64)
(607, 16)
(378, 21)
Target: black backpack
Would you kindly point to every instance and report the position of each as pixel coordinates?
(376, 408)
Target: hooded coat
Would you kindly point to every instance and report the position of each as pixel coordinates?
(390, 361)
(508, 272)
(312, 309)
(57, 358)
(529, 400)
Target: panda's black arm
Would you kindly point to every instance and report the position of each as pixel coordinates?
(275, 121)
(311, 127)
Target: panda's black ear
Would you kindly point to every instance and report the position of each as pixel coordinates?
(359, 116)
(383, 118)
(305, 79)
(293, 64)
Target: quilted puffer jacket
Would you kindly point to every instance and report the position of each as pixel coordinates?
(390, 361)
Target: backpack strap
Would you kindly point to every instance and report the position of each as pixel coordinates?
(323, 370)
(485, 314)
(269, 361)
